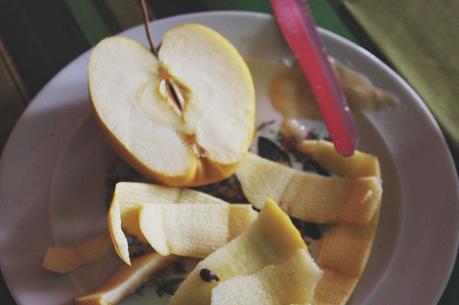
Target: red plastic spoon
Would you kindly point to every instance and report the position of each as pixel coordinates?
(300, 32)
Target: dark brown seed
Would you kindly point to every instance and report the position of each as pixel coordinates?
(208, 276)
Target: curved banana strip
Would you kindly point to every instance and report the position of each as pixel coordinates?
(309, 197)
(193, 230)
(290, 282)
(130, 197)
(126, 280)
(270, 240)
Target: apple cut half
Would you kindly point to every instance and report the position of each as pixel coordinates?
(184, 118)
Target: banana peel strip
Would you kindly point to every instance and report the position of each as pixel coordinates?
(66, 259)
(310, 197)
(130, 197)
(270, 240)
(127, 279)
(193, 230)
(345, 247)
(291, 282)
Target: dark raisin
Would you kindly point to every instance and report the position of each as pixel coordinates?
(312, 166)
(312, 230)
(208, 276)
(271, 151)
(313, 135)
(229, 190)
(309, 229)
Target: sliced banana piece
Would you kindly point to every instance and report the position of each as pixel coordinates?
(291, 282)
(193, 230)
(270, 240)
(130, 197)
(126, 280)
(306, 196)
(66, 259)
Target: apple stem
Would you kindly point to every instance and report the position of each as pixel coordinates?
(146, 19)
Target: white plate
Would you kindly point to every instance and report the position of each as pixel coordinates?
(54, 166)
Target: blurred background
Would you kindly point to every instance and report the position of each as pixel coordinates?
(418, 38)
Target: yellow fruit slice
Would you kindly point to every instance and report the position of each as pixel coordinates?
(270, 240)
(193, 230)
(306, 196)
(344, 249)
(67, 259)
(290, 282)
(127, 201)
(126, 280)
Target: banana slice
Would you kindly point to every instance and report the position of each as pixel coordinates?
(270, 240)
(130, 197)
(193, 230)
(66, 259)
(309, 197)
(290, 282)
(126, 280)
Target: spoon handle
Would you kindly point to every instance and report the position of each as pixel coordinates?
(300, 32)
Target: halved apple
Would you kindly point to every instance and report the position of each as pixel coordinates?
(184, 118)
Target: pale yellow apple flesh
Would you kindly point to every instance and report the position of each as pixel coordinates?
(358, 165)
(345, 247)
(66, 259)
(185, 118)
(126, 280)
(130, 197)
(270, 240)
(252, 259)
(291, 282)
(309, 197)
(193, 230)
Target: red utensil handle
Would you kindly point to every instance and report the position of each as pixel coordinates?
(298, 28)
